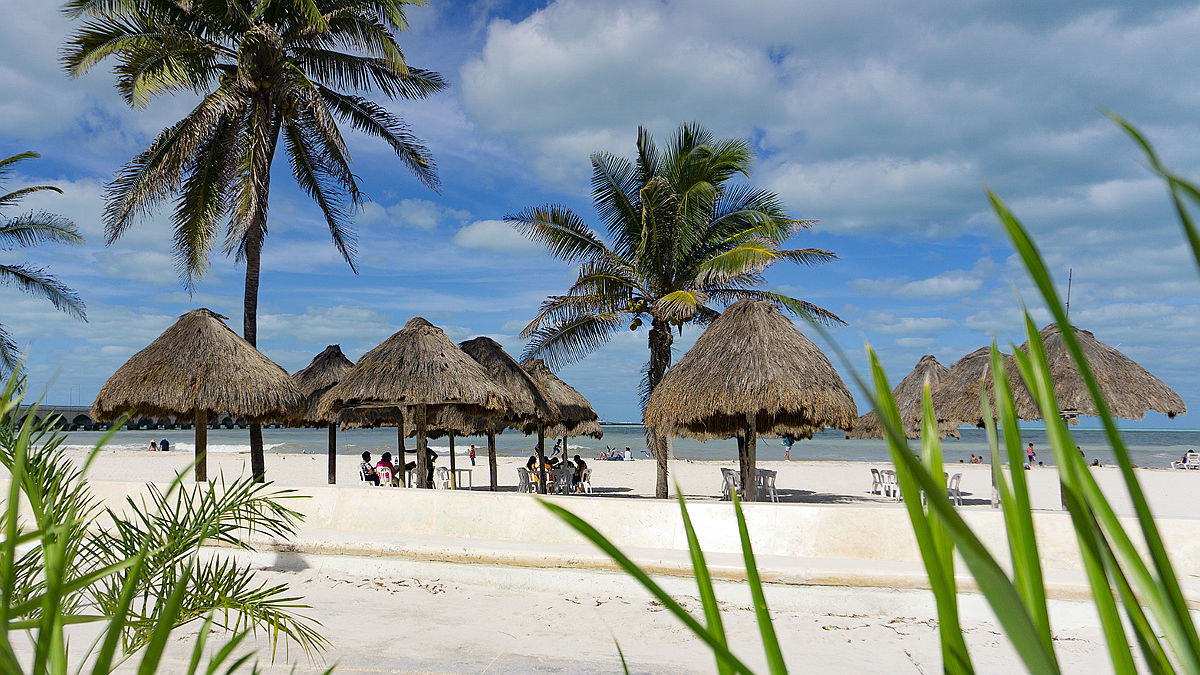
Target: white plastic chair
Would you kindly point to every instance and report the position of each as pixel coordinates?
(385, 475)
(731, 481)
(524, 484)
(442, 478)
(585, 481)
(766, 484)
(953, 489)
(890, 487)
(876, 482)
(1190, 461)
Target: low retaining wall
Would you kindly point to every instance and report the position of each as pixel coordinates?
(517, 529)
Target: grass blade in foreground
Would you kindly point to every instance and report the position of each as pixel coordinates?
(708, 597)
(765, 627)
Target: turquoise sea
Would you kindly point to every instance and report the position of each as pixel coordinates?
(1149, 447)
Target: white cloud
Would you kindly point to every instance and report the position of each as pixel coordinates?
(419, 213)
(495, 235)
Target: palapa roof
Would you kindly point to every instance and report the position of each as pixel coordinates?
(418, 365)
(957, 399)
(1129, 389)
(751, 360)
(908, 395)
(199, 364)
(531, 402)
(575, 413)
(326, 369)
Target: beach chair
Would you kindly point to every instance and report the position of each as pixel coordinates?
(731, 481)
(1191, 460)
(385, 475)
(766, 484)
(524, 483)
(441, 478)
(876, 482)
(585, 481)
(954, 489)
(890, 487)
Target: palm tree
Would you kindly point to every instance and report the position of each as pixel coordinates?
(31, 229)
(263, 69)
(683, 235)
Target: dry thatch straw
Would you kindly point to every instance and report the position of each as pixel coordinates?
(415, 374)
(575, 413)
(751, 360)
(531, 402)
(751, 373)
(417, 366)
(956, 401)
(1129, 389)
(326, 370)
(199, 367)
(908, 395)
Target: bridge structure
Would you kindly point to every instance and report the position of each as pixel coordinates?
(79, 418)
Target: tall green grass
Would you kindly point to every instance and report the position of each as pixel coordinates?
(135, 574)
(1141, 608)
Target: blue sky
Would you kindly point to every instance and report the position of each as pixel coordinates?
(881, 120)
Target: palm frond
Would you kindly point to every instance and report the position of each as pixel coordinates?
(314, 176)
(680, 306)
(375, 120)
(37, 282)
(38, 228)
(203, 199)
(15, 196)
(563, 233)
(567, 342)
(10, 355)
(798, 307)
(615, 187)
(339, 70)
(7, 163)
(563, 309)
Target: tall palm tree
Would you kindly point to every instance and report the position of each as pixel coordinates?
(263, 69)
(683, 235)
(23, 231)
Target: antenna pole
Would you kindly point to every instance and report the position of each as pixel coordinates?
(1070, 273)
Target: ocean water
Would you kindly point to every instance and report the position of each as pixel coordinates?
(1148, 447)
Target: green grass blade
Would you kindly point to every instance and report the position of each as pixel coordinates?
(766, 627)
(708, 597)
(1164, 594)
(201, 642)
(591, 534)
(162, 631)
(113, 634)
(621, 654)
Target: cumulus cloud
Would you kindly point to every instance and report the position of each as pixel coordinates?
(495, 235)
(419, 213)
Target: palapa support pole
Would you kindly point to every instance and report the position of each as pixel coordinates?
(201, 446)
(749, 474)
(453, 476)
(333, 453)
(541, 451)
(400, 452)
(422, 449)
(491, 436)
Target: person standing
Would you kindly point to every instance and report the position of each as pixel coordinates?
(472, 455)
(787, 447)
(1030, 454)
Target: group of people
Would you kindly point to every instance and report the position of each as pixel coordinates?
(384, 470)
(557, 459)
(163, 445)
(614, 455)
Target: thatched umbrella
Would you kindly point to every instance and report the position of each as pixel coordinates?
(1129, 389)
(199, 367)
(417, 370)
(575, 414)
(751, 373)
(326, 369)
(908, 395)
(530, 401)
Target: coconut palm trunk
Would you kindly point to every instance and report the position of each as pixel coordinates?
(492, 458)
(201, 446)
(333, 453)
(660, 341)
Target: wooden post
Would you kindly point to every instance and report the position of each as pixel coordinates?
(749, 484)
(422, 449)
(453, 477)
(201, 446)
(541, 451)
(491, 436)
(400, 452)
(333, 453)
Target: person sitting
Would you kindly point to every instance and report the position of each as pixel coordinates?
(153, 446)
(164, 445)
(366, 470)
(972, 460)
(577, 477)
(1096, 462)
(385, 468)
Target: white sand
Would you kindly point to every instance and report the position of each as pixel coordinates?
(1170, 492)
(441, 617)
